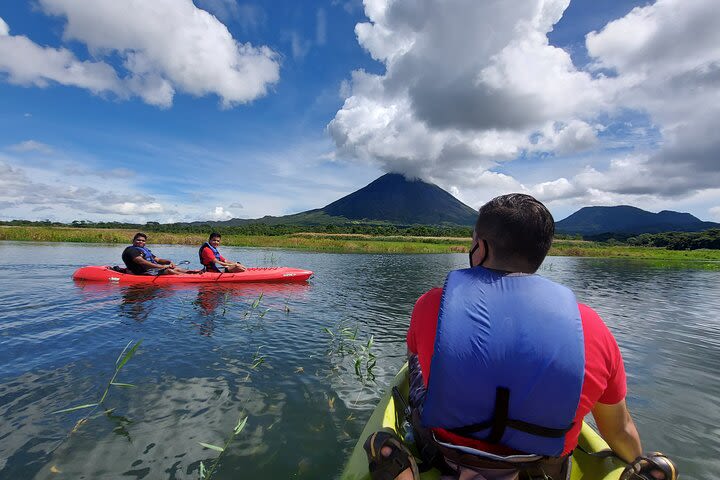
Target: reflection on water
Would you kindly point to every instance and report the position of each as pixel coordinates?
(137, 302)
(213, 353)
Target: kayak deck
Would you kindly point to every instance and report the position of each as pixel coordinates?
(386, 416)
(269, 274)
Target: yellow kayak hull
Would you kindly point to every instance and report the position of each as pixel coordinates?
(387, 416)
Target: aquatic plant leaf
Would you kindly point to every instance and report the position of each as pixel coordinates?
(257, 301)
(211, 447)
(123, 385)
(123, 352)
(78, 424)
(129, 355)
(79, 407)
(328, 331)
(202, 470)
(240, 425)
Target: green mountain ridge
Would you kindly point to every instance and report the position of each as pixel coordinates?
(629, 220)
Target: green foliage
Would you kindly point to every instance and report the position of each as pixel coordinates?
(207, 474)
(344, 342)
(123, 358)
(264, 229)
(709, 239)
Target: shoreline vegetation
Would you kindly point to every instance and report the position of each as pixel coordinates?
(356, 243)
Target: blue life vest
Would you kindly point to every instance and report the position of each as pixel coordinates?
(147, 254)
(212, 267)
(509, 361)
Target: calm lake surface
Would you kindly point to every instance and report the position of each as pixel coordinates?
(208, 358)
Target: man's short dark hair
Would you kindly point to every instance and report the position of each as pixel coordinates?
(517, 226)
(214, 235)
(139, 235)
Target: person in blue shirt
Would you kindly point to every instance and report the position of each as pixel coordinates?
(139, 260)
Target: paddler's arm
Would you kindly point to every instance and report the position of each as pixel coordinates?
(618, 429)
(226, 263)
(160, 263)
(163, 261)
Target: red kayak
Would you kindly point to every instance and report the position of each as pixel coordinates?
(271, 274)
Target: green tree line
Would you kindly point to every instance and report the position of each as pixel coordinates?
(265, 229)
(709, 239)
(679, 240)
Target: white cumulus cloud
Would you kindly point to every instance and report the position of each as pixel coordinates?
(469, 86)
(166, 46)
(27, 63)
(219, 214)
(31, 146)
(668, 54)
(715, 213)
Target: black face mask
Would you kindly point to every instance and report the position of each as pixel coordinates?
(477, 245)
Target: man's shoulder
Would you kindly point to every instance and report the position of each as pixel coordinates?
(596, 333)
(590, 318)
(430, 298)
(131, 249)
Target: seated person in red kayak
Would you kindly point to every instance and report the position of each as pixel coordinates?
(214, 262)
(516, 361)
(139, 260)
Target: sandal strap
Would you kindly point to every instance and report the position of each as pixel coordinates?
(388, 467)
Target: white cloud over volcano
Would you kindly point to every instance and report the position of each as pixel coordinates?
(469, 86)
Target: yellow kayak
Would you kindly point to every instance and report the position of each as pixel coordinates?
(386, 415)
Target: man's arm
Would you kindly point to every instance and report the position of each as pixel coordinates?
(618, 429)
(162, 261)
(141, 261)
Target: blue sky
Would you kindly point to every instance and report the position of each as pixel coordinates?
(215, 109)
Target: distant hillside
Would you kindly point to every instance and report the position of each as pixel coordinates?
(391, 199)
(625, 219)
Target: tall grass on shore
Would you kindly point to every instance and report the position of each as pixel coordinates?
(355, 243)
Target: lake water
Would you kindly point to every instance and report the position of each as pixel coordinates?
(208, 358)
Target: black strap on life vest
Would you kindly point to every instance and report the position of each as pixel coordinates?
(500, 421)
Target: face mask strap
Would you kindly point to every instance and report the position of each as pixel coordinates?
(485, 255)
(487, 250)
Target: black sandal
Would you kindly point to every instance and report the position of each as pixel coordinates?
(388, 467)
(643, 466)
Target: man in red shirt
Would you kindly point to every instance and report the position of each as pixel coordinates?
(512, 236)
(214, 262)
